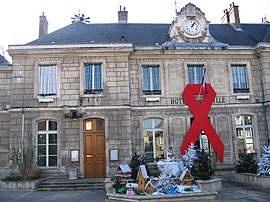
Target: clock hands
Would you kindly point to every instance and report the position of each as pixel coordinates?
(193, 24)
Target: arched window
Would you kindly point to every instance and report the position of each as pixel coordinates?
(153, 139)
(202, 142)
(47, 143)
(244, 133)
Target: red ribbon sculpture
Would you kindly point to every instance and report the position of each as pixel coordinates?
(201, 121)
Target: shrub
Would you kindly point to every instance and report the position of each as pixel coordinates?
(246, 163)
(135, 163)
(202, 168)
(26, 162)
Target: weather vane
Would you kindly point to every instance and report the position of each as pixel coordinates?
(79, 18)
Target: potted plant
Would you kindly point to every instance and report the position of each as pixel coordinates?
(251, 172)
(203, 173)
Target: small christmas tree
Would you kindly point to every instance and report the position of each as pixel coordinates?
(202, 168)
(135, 163)
(190, 157)
(165, 185)
(264, 164)
(246, 163)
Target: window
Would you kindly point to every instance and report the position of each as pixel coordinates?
(151, 82)
(153, 139)
(202, 142)
(244, 132)
(93, 79)
(47, 143)
(195, 74)
(240, 79)
(47, 80)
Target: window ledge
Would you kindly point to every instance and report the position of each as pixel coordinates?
(242, 97)
(91, 95)
(45, 100)
(152, 99)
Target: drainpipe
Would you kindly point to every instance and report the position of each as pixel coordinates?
(263, 99)
(22, 146)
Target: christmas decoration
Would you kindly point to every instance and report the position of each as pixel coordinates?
(166, 185)
(173, 168)
(264, 164)
(186, 178)
(123, 172)
(246, 163)
(202, 168)
(142, 178)
(170, 154)
(189, 157)
(135, 163)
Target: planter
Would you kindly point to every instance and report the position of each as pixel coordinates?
(19, 185)
(163, 198)
(213, 185)
(253, 179)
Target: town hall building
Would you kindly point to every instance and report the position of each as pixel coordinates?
(88, 96)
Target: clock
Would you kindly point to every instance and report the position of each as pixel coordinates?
(192, 26)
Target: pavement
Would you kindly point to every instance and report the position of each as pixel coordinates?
(232, 191)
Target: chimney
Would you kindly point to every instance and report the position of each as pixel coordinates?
(231, 16)
(43, 25)
(122, 15)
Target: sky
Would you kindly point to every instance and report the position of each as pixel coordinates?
(19, 19)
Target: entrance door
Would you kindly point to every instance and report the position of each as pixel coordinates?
(94, 148)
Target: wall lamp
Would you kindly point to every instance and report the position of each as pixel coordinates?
(70, 113)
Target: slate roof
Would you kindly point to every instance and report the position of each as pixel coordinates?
(149, 34)
(3, 61)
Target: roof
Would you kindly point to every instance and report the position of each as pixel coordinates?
(186, 171)
(149, 34)
(3, 61)
(144, 172)
(125, 168)
(81, 33)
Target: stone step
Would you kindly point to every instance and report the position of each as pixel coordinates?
(65, 184)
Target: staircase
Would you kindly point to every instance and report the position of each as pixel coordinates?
(61, 184)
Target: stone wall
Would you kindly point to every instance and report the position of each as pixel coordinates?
(122, 103)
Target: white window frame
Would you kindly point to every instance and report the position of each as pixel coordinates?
(58, 78)
(249, 79)
(47, 84)
(153, 130)
(244, 129)
(151, 90)
(240, 90)
(93, 90)
(46, 132)
(195, 66)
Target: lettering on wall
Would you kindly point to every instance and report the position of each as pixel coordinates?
(180, 101)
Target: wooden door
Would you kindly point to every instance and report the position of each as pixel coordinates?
(94, 148)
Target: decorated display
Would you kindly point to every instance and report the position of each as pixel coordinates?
(174, 176)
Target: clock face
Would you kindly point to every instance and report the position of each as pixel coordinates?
(192, 27)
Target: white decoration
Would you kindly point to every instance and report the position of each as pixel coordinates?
(190, 157)
(264, 164)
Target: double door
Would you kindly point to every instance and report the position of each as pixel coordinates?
(94, 148)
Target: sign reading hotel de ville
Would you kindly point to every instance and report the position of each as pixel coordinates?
(201, 122)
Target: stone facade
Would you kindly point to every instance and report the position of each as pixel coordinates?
(122, 104)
